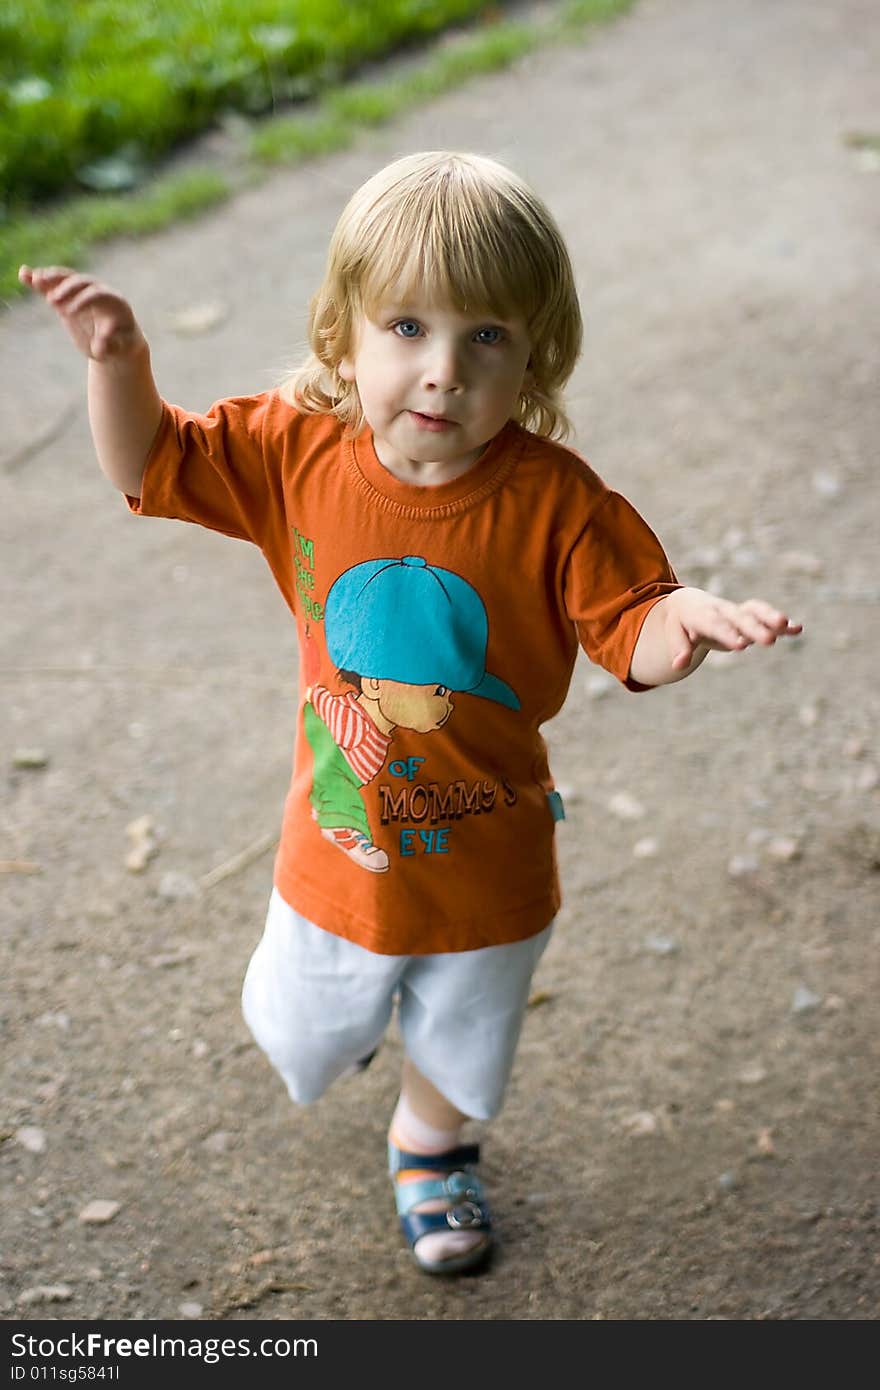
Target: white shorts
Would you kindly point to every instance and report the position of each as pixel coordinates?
(316, 1004)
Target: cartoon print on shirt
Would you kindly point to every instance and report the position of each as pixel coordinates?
(406, 636)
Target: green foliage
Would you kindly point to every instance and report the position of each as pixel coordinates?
(95, 90)
(62, 235)
(365, 104)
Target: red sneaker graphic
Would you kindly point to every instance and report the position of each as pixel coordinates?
(359, 848)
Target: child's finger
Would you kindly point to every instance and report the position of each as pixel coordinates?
(63, 293)
(775, 620)
(81, 297)
(725, 628)
(43, 277)
(769, 615)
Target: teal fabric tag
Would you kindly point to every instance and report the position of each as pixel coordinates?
(557, 807)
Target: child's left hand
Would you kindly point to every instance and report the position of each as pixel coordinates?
(695, 619)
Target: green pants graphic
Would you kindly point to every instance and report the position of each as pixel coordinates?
(335, 794)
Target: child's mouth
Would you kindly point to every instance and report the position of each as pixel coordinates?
(436, 424)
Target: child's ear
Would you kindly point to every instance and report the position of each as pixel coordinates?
(345, 369)
(371, 687)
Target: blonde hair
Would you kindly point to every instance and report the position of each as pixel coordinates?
(473, 233)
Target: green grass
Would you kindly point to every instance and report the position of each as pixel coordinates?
(65, 234)
(345, 109)
(94, 91)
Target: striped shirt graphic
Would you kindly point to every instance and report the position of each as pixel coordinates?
(353, 731)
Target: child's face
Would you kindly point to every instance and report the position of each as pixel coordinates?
(435, 384)
(422, 708)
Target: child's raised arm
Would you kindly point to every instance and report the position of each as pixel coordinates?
(685, 625)
(125, 408)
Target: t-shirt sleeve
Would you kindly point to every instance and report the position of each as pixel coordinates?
(210, 469)
(616, 571)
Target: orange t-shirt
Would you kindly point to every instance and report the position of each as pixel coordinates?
(438, 630)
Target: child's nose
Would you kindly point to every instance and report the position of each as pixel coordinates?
(444, 368)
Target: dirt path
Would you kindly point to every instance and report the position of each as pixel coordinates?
(693, 1130)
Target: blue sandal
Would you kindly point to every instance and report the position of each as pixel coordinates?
(467, 1210)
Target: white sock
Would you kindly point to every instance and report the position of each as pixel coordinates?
(410, 1132)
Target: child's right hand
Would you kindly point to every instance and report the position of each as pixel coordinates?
(100, 321)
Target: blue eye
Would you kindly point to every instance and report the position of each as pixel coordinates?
(407, 328)
(489, 336)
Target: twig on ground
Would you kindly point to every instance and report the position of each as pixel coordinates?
(239, 861)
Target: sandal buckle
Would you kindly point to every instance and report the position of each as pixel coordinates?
(464, 1216)
(460, 1184)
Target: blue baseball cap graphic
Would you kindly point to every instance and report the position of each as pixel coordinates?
(405, 620)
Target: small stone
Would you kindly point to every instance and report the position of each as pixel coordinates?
(784, 848)
(827, 484)
(570, 794)
(31, 1138)
(745, 558)
(854, 748)
(625, 806)
(27, 758)
(728, 1182)
(808, 716)
(261, 1257)
(539, 997)
(867, 779)
(640, 1123)
(54, 1019)
(200, 1048)
(662, 945)
(752, 1075)
(137, 859)
(218, 1142)
(724, 1105)
(732, 537)
(764, 1144)
(45, 1293)
(599, 684)
(175, 885)
(140, 829)
(199, 318)
(648, 848)
(800, 562)
(50, 1090)
(758, 836)
(742, 865)
(144, 844)
(191, 1310)
(804, 1000)
(99, 1212)
(834, 1003)
(166, 960)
